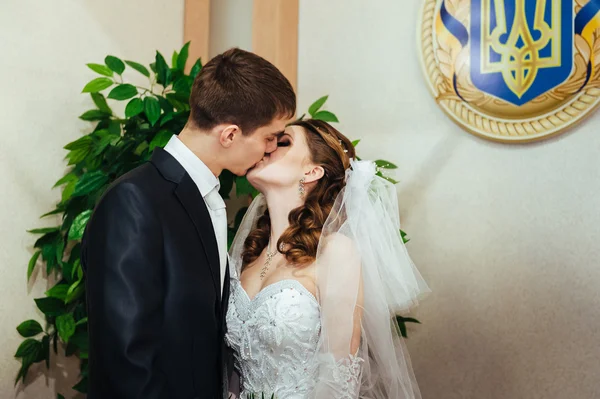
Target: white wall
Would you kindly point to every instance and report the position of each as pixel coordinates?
(507, 236)
(44, 48)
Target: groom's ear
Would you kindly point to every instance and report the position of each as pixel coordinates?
(227, 134)
(315, 174)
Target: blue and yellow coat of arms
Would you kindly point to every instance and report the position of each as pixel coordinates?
(512, 70)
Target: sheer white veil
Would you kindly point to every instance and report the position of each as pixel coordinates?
(363, 274)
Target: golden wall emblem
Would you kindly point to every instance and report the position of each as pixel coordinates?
(512, 70)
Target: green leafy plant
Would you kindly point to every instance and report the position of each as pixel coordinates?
(115, 145)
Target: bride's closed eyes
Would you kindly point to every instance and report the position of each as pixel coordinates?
(284, 141)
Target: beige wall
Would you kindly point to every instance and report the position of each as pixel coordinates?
(507, 236)
(44, 48)
(230, 25)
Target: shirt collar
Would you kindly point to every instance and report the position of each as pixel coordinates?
(198, 171)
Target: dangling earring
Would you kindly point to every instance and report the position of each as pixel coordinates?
(301, 190)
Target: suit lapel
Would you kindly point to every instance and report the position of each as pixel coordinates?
(192, 201)
(188, 194)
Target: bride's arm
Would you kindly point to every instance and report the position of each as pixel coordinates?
(341, 296)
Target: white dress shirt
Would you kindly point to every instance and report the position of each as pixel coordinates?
(208, 185)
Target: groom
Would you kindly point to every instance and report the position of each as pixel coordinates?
(155, 249)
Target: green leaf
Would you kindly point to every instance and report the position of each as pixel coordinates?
(165, 105)
(82, 321)
(139, 67)
(49, 255)
(385, 164)
(67, 271)
(45, 351)
(76, 290)
(387, 178)
(404, 236)
(114, 127)
(355, 143)
(182, 86)
(196, 69)
(29, 328)
(101, 103)
(94, 115)
(28, 347)
(152, 109)
(82, 386)
(78, 226)
(81, 340)
(26, 364)
(410, 320)
(163, 73)
(161, 139)
(106, 139)
(59, 291)
(90, 182)
(123, 92)
(48, 238)
(166, 118)
(60, 249)
(79, 271)
(174, 59)
(101, 69)
(243, 187)
(325, 116)
(50, 306)
(45, 230)
(54, 212)
(140, 148)
(181, 103)
(402, 327)
(81, 143)
(69, 190)
(32, 264)
(74, 275)
(97, 85)
(65, 179)
(59, 396)
(300, 118)
(65, 325)
(115, 64)
(316, 106)
(78, 156)
(183, 56)
(32, 352)
(134, 107)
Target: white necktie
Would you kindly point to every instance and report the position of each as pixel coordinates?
(218, 213)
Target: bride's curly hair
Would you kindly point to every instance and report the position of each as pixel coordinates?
(331, 150)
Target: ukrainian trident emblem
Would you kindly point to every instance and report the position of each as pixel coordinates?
(513, 70)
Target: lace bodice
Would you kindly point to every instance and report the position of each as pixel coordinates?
(275, 337)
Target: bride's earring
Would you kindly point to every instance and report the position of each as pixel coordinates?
(301, 190)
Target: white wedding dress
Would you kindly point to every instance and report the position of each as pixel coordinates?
(275, 337)
(289, 344)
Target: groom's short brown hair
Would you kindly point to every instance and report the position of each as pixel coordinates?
(240, 88)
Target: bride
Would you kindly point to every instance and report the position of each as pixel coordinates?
(319, 271)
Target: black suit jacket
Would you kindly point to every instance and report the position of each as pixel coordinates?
(156, 315)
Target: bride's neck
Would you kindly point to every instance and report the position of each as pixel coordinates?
(280, 204)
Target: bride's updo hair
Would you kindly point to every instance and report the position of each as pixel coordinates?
(331, 150)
